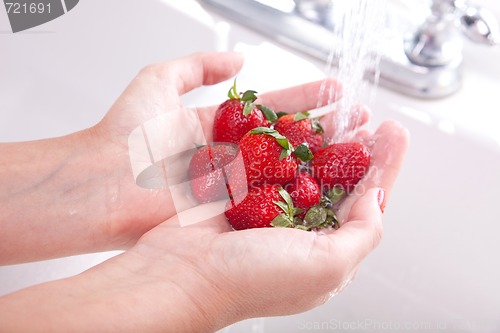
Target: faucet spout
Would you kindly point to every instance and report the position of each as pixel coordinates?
(427, 64)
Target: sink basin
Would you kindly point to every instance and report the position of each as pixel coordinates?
(436, 268)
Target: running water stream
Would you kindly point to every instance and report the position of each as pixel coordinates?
(357, 37)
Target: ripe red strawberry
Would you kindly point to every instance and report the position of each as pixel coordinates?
(265, 206)
(272, 206)
(269, 157)
(340, 165)
(305, 192)
(238, 115)
(298, 128)
(208, 181)
(257, 210)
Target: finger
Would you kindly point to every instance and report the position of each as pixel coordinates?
(168, 80)
(303, 97)
(359, 116)
(338, 129)
(388, 147)
(362, 135)
(198, 69)
(292, 100)
(157, 88)
(206, 115)
(362, 231)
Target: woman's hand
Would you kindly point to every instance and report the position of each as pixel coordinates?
(78, 193)
(152, 101)
(233, 275)
(200, 277)
(204, 276)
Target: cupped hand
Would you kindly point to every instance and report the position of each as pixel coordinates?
(152, 94)
(151, 104)
(230, 275)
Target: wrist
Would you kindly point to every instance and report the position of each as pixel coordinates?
(145, 294)
(51, 199)
(176, 295)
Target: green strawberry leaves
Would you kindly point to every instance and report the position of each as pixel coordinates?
(315, 124)
(268, 113)
(198, 146)
(282, 140)
(248, 98)
(248, 108)
(319, 216)
(302, 151)
(286, 219)
(300, 116)
(335, 195)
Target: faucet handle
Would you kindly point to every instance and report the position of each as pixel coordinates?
(438, 41)
(480, 25)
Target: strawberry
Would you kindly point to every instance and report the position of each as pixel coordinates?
(305, 192)
(272, 206)
(208, 181)
(238, 115)
(340, 166)
(265, 206)
(269, 157)
(257, 210)
(298, 128)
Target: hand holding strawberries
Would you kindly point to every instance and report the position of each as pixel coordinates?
(200, 277)
(235, 275)
(240, 274)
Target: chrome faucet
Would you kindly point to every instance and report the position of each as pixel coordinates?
(438, 42)
(424, 63)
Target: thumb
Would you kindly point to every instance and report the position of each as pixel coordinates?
(362, 230)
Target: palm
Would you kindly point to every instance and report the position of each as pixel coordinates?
(151, 98)
(151, 95)
(286, 257)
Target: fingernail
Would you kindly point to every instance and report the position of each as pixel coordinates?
(381, 199)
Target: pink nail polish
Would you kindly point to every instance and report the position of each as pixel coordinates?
(381, 199)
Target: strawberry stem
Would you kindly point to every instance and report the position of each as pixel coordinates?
(233, 92)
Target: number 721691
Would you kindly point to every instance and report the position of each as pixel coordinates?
(27, 8)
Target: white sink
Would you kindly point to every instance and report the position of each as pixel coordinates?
(437, 266)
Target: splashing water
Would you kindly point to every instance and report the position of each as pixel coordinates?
(355, 53)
